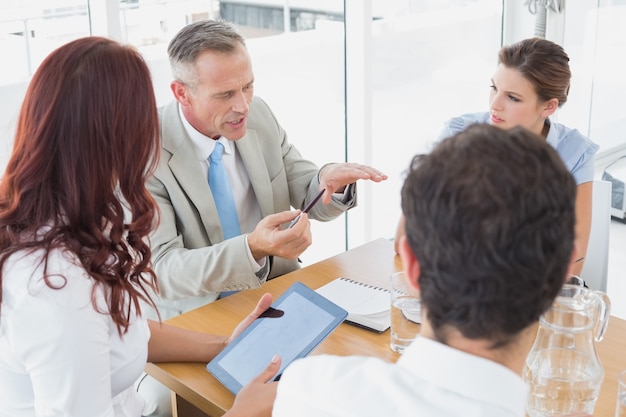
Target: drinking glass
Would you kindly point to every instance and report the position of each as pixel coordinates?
(620, 407)
(405, 313)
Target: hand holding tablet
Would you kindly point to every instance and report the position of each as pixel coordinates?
(298, 321)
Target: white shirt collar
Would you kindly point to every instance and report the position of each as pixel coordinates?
(203, 145)
(471, 375)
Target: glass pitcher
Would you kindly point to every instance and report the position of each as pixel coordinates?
(563, 370)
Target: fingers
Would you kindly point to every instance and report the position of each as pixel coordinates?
(256, 399)
(328, 194)
(336, 176)
(278, 219)
(300, 238)
(365, 172)
(270, 370)
(264, 302)
(280, 222)
(272, 237)
(291, 242)
(302, 217)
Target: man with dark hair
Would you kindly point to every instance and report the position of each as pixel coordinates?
(490, 217)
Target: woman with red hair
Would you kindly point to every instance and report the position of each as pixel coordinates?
(74, 257)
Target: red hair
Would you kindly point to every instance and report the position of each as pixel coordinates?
(85, 142)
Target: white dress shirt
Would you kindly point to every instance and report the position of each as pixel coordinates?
(248, 210)
(429, 380)
(58, 355)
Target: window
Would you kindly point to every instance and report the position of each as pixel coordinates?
(595, 37)
(427, 60)
(29, 30)
(431, 60)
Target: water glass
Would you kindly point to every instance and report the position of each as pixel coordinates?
(405, 313)
(620, 408)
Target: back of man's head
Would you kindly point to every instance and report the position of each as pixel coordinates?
(490, 216)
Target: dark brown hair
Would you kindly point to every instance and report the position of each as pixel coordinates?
(542, 62)
(490, 216)
(86, 139)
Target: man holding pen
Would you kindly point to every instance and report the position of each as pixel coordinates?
(226, 182)
(195, 255)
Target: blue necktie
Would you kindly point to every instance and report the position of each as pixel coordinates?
(222, 194)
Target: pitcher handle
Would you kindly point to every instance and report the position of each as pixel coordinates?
(576, 280)
(604, 312)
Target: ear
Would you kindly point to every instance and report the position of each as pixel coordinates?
(549, 107)
(181, 92)
(410, 262)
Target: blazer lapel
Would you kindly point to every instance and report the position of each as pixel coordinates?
(188, 173)
(252, 156)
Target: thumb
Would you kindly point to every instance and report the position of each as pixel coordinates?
(264, 302)
(328, 195)
(282, 217)
(270, 370)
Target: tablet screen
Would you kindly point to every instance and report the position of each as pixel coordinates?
(308, 318)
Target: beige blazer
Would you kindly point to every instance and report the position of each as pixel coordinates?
(192, 260)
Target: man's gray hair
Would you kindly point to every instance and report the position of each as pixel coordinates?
(196, 38)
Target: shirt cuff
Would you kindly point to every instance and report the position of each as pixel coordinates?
(259, 267)
(347, 196)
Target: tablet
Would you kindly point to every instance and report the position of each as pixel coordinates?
(304, 319)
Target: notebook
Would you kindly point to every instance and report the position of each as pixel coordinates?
(368, 306)
(300, 320)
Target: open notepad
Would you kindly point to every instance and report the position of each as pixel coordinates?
(367, 305)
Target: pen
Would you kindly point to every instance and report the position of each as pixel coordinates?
(307, 208)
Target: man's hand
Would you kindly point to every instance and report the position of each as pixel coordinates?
(256, 399)
(335, 177)
(269, 238)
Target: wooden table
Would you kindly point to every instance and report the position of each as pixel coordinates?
(195, 389)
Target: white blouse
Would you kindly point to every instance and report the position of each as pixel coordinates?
(58, 355)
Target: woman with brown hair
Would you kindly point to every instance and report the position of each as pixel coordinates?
(74, 257)
(531, 81)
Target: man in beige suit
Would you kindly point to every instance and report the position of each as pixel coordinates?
(213, 90)
(194, 262)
